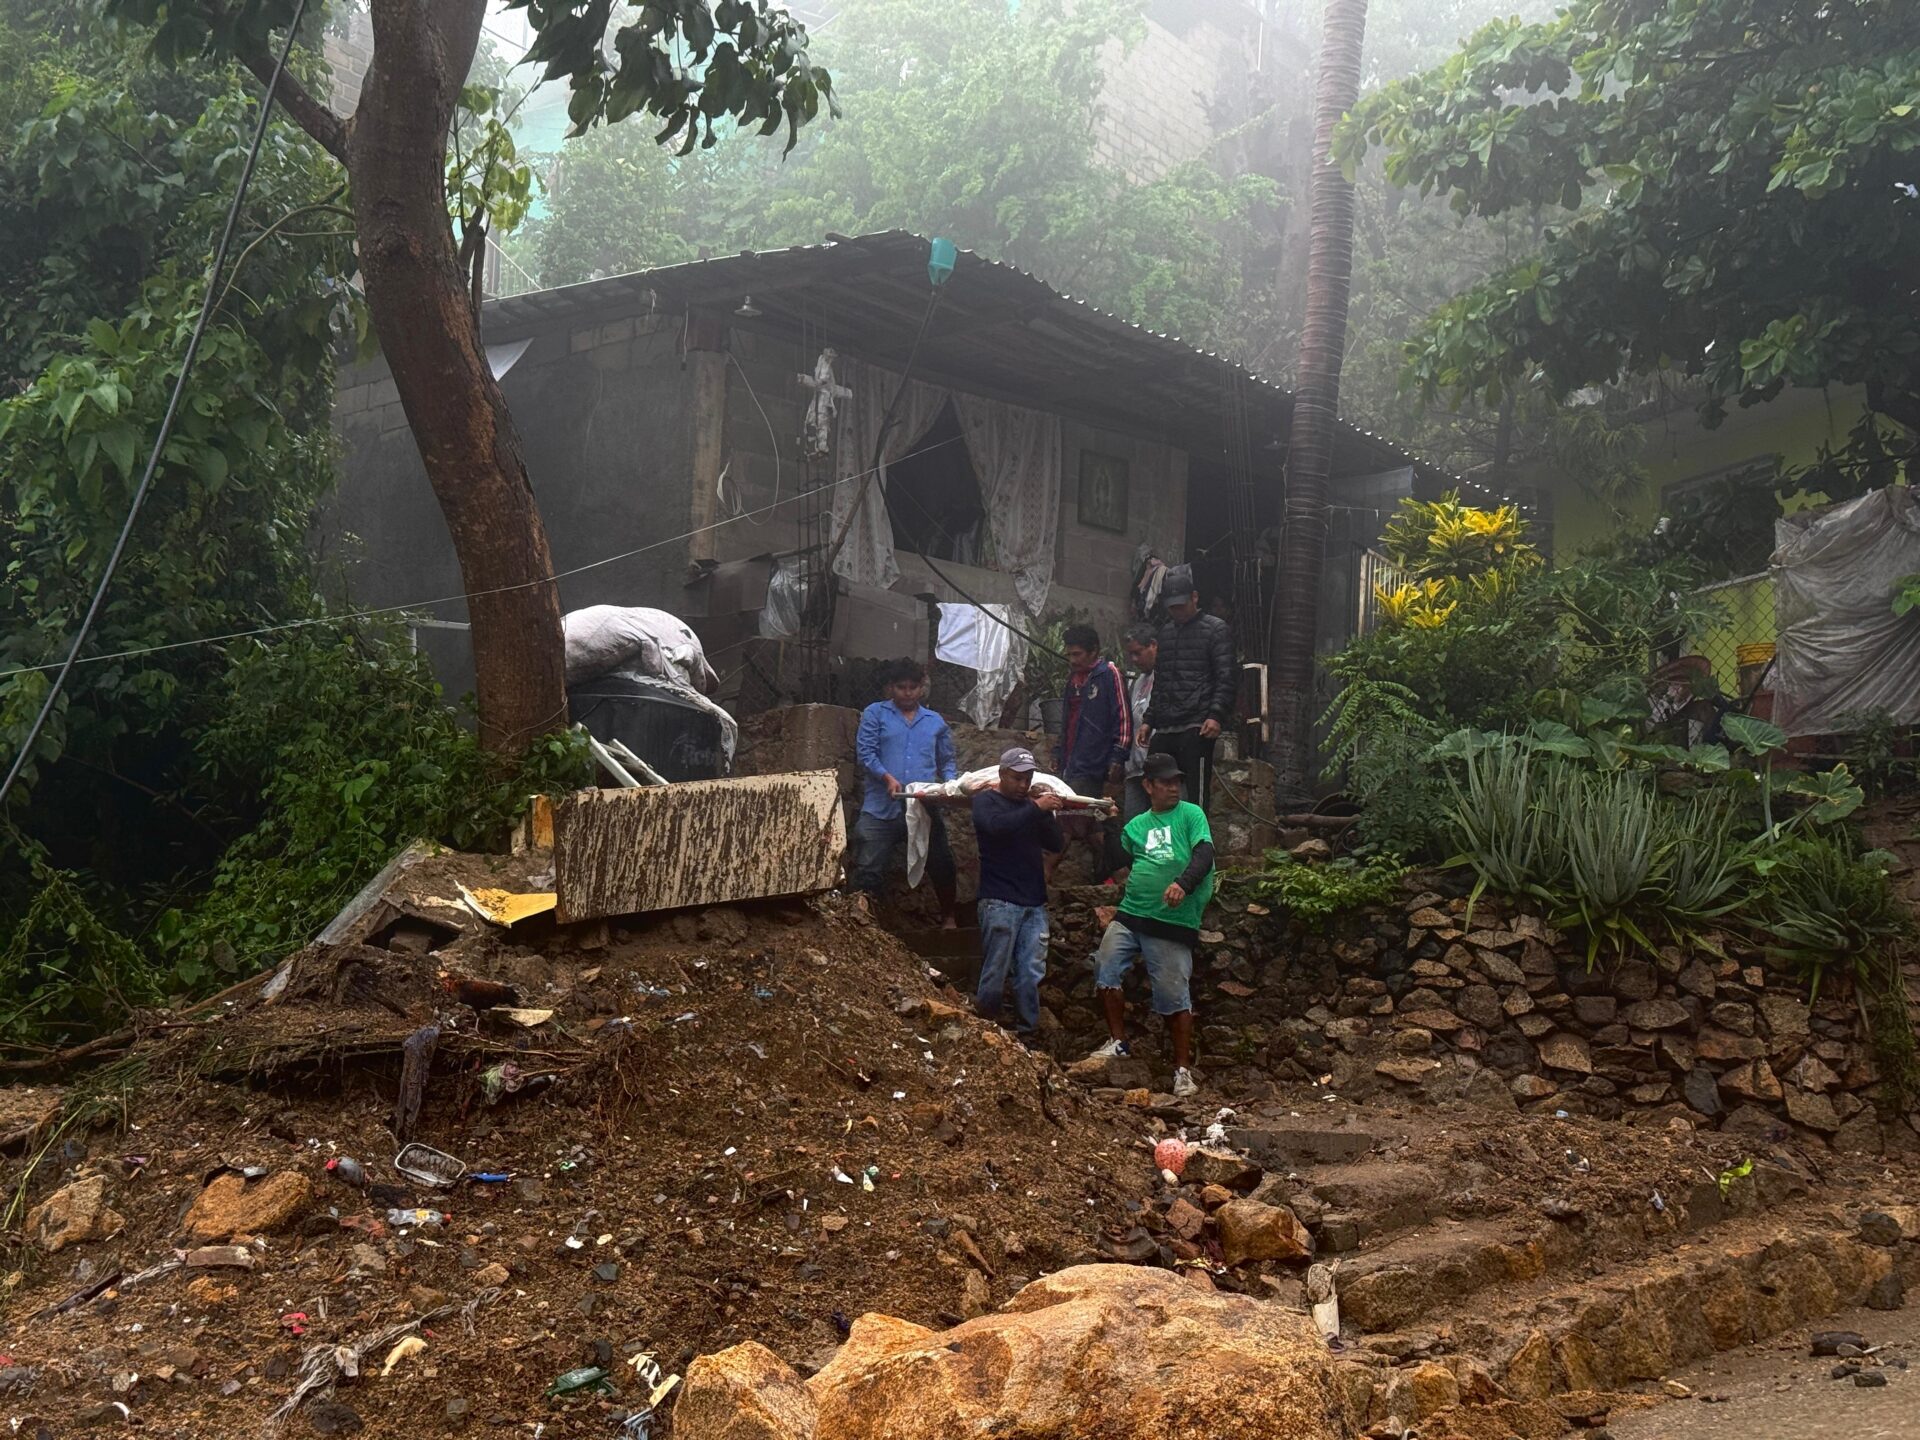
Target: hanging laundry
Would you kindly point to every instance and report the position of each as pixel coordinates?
(975, 636)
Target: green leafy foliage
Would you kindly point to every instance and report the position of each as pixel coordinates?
(193, 809)
(1830, 907)
(1906, 595)
(344, 785)
(1375, 729)
(688, 63)
(1728, 168)
(944, 136)
(1549, 815)
(1313, 892)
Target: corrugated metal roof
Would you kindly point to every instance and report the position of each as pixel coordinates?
(999, 330)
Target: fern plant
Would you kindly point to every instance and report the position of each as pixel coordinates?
(1375, 729)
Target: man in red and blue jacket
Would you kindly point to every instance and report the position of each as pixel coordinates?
(1097, 729)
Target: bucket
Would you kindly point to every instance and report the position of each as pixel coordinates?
(1753, 660)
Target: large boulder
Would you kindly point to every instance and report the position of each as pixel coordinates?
(1097, 1352)
(745, 1393)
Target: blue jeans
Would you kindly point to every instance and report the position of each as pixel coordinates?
(880, 847)
(1169, 966)
(1013, 955)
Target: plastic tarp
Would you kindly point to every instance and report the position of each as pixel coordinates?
(635, 640)
(1841, 652)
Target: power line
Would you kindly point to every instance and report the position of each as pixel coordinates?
(468, 595)
(166, 422)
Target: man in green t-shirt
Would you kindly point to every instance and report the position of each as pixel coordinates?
(1170, 851)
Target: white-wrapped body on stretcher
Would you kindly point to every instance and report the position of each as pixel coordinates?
(922, 793)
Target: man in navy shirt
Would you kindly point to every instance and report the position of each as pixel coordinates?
(1014, 826)
(900, 743)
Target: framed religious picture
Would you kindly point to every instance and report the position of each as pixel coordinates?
(1103, 491)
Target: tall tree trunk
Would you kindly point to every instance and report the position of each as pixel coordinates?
(396, 156)
(1316, 410)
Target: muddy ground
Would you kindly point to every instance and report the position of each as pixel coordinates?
(724, 1088)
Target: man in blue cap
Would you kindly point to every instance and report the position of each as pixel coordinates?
(1015, 828)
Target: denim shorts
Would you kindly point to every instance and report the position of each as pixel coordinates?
(1169, 966)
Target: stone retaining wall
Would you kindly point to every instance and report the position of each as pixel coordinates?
(1504, 1013)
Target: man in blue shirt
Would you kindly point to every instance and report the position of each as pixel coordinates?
(1014, 826)
(901, 743)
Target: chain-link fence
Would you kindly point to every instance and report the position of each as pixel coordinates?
(1739, 644)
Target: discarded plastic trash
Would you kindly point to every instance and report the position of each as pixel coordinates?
(218, 1257)
(507, 1078)
(294, 1322)
(528, 1018)
(1659, 1203)
(420, 1218)
(1171, 1155)
(1578, 1161)
(587, 1377)
(411, 1346)
(348, 1171)
(841, 1175)
(491, 1177)
(1733, 1173)
(1324, 1300)
(428, 1166)
(866, 1178)
(1561, 1115)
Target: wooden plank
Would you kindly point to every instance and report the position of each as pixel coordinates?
(705, 842)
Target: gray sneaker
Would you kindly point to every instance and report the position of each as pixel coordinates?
(1184, 1083)
(1112, 1050)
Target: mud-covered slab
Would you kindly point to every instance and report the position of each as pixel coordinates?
(706, 842)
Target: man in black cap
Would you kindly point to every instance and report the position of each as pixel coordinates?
(1014, 826)
(1194, 684)
(1171, 879)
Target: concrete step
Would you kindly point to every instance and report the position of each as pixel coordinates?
(1424, 1269)
(1552, 1346)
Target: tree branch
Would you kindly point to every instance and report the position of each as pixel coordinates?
(324, 203)
(326, 128)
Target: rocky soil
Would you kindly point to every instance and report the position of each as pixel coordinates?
(763, 1123)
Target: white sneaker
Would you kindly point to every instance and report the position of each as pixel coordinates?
(1112, 1050)
(1184, 1084)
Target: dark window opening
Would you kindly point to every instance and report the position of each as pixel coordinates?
(933, 497)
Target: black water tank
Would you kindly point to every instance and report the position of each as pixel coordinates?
(655, 721)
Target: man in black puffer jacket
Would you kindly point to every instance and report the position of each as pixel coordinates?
(1195, 682)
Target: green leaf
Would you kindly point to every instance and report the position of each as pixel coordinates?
(1834, 793)
(119, 443)
(1757, 737)
(1709, 759)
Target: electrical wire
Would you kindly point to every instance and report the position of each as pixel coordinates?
(173, 408)
(467, 595)
(773, 440)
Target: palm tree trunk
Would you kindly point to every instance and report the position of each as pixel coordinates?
(1316, 409)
